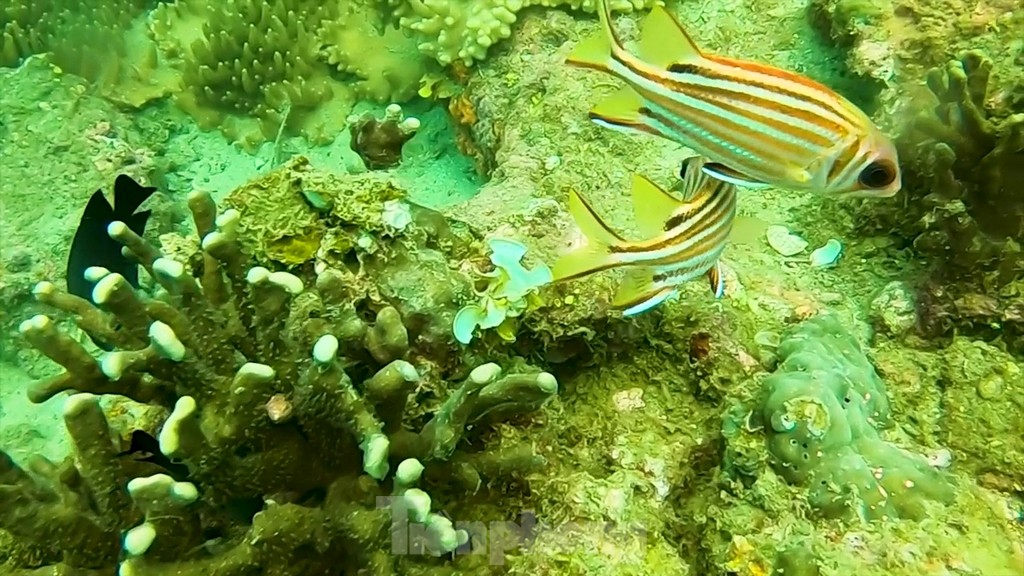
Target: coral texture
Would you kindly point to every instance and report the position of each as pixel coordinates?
(821, 412)
(289, 409)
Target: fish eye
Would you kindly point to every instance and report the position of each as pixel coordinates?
(878, 174)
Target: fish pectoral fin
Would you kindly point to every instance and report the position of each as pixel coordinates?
(717, 280)
(653, 207)
(640, 291)
(597, 254)
(621, 108)
(726, 174)
(664, 42)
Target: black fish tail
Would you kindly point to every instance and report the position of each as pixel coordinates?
(129, 195)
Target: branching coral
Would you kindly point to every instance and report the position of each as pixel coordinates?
(963, 159)
(281, 398)
(464, 31)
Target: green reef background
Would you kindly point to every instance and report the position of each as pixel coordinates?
(355, 183)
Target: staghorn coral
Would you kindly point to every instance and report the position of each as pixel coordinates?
(253, 69)
(259, 375)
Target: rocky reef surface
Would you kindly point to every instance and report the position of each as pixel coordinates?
(293, 348)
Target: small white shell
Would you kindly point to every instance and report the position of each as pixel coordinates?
(827, 255)
(785, 242)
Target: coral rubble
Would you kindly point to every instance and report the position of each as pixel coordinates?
(289, 404)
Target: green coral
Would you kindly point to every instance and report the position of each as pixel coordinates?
(253, 68)
(383, 63)
(509, 293)
(821, 412)
(463, 32)
(102, 41)
(85, 38)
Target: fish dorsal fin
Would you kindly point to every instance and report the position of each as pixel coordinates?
(98, 208)
(726, 174)
(129, 195)
(664, 42)
(653, 207)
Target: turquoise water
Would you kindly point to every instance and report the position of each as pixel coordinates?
(342, 341)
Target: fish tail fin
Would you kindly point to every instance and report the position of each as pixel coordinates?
(129, 195)
(599, 251)
(640, 291)
(598, 51)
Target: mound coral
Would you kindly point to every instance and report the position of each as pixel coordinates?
(821, 411)
(287, 407)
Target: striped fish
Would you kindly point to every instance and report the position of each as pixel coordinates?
(758, 125)
(686, 238)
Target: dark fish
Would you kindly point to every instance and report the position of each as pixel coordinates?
(145, 448)
(92, 246)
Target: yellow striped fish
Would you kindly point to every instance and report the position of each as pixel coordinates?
(758, 125)
(686, 238)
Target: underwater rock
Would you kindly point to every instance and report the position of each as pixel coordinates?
(984, 412)
(894, 309)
